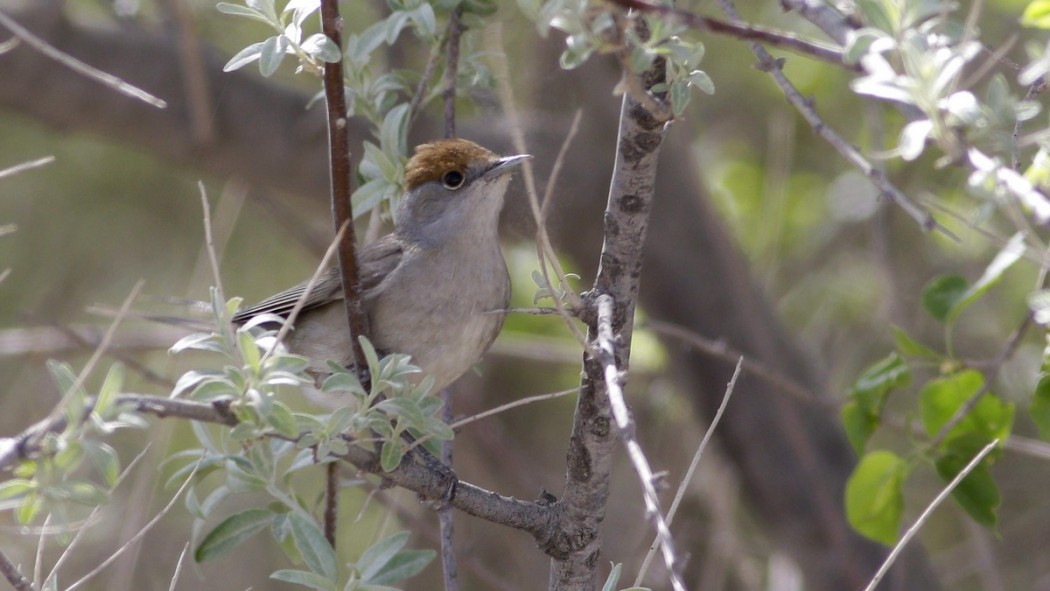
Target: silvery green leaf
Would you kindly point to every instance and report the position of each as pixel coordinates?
(882, 89)
(679, 96)
(243, 57)
(702, 81)
(424, 19)
(301, 9)
(913, 138)
(321, 47)
(394, 24)
(191, 379)
(264, 6)
(272, 54)
(237, 10)
(393, 131)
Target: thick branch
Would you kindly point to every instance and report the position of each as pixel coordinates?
(537, 518)
(590, 449)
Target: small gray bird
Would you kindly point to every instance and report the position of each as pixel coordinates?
(436, 288)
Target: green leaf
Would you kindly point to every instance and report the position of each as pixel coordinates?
(391, 454)
(1039, 410)
(317, 553)
(977, 493)
(859, 425)
(872, 387)
(906, 345)
(613, 578)
(874, 497)
(15, 488)
(1004, 259)
(942, 294)
(111, 387)
(304, 578)
(272, 54)
(1037, 14)
(237, 10)
(379, 554)
(403, 565)
(941, 399)
(239, 60)
(231, 532)
(282, 419)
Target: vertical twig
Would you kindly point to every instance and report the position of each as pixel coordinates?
(455, 31)
(606, 353)
(448, 555)
(331, 508)
(339, 153)
(343, 218)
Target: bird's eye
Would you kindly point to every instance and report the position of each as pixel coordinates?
(453, 179)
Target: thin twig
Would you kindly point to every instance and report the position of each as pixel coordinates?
(289, 321)
(739, 30)
(455, 31)
(209, 243)
(13, 170)
(57, 413)
(680, 494)
(428, 73)
(847, 150)
(78, 66)
(67, 553)
(449, 568)
(13, 575)
(178, 566)
(722, 351)
(456, 426)
(38, 561)
(607, 356)
(914, 529)
(1005, 354)
(331, 509)
(543, 242)
(138, 536)
(1015, 153)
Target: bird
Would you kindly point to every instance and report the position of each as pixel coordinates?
(436, 288)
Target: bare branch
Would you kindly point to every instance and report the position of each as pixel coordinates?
(607, 356)
(455, 31)
(589, 457)
(78, 66)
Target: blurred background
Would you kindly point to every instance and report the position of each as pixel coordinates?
(763, 241)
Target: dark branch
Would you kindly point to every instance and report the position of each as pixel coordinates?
(339, 153)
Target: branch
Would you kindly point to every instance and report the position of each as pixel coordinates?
(744, 31)
(848, 151)
(339, 154)
(14, 576)
(537, 518)
(455, 31)
(589, 457)
(78, 66)
(606, 353)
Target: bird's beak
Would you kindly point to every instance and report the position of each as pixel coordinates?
(505, 165)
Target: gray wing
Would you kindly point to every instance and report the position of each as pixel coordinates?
(378, 259)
